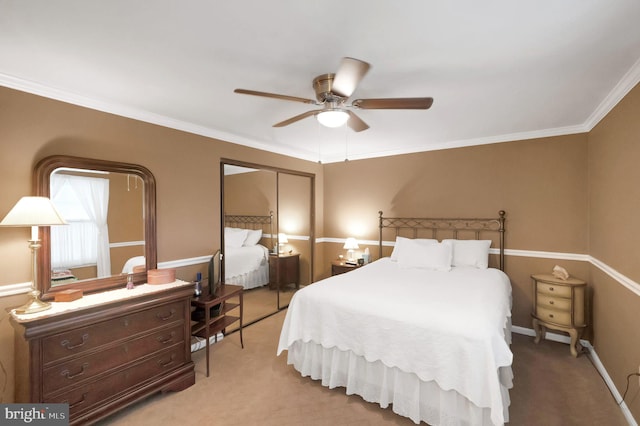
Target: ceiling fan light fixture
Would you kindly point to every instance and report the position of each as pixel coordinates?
(332, 117)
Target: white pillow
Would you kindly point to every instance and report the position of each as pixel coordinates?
(401, 240)
(470, 252)
(234, 237)
(416, 254)
(253, 237)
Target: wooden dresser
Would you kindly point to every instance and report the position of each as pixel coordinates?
(101, 357)
(559, 305)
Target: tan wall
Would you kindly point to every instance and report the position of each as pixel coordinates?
(614, 234)
(558, 194)
(186, 168)
(541, 184)
(251, 194)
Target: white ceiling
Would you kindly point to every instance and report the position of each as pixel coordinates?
(498, 70)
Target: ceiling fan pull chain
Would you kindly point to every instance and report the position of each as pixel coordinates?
(319, 129)
(346, 144)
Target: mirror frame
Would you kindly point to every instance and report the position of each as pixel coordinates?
(42, 186)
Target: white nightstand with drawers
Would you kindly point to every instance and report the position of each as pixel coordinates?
(559, 305)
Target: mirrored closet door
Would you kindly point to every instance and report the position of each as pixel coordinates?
(267, 234)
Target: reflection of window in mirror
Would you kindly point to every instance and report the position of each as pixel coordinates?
(84, 203)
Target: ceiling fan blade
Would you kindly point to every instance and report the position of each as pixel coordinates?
(349, 74)
(275, 95)
(356, 123)
(393, 103)
(296, 118)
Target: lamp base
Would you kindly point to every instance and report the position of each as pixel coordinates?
(33, 305)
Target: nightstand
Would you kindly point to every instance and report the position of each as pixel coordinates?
(284, 269)
(559, 305)
(340, 267)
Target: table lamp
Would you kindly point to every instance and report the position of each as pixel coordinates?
(282, 240)
(350, 244)
(33, 212)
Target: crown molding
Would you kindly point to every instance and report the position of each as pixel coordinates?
(510, 137)
(624, 86)
(628, 81)
(49, 92)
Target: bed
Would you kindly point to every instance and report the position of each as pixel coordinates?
(426, 330)
(246, 261)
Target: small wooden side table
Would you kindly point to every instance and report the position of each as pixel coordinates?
(340, 267)
(559, 305)
(212, 325)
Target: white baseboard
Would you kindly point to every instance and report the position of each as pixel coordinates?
(596, 362)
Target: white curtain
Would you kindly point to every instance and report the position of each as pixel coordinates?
(84, 203)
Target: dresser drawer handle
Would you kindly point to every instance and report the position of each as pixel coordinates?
(67, 344)
(550, 315)
(68, 375)
(164, 340)
(551, 289)
(551, 302)
(165, 318)
(75, 404)
(162, 363)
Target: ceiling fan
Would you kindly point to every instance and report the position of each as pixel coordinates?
(332, 92)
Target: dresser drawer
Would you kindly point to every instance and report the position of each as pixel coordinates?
(554, 316)
(558, 303)
(84, 368)
(553, 289)
(75, 342)
(84, 397)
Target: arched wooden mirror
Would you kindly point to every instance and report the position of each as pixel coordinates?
(119, 201)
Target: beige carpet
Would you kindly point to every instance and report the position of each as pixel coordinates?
(261, 302)
(252, 386)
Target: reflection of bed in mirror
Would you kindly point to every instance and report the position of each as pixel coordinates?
(246, 258)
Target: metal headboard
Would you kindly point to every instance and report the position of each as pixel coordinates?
(475, 226)
(251, 222)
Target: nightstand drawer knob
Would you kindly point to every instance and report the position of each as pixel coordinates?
(551, 302)
(551, 288)
(550, 315)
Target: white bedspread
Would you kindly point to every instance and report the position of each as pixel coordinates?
(448, 327)
(243, 260)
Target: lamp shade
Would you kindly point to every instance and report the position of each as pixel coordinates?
(33, 211)
(282, 238)
(332, 117)
(351, 244)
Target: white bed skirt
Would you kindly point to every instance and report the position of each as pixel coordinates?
(252, 279)
(375, 382)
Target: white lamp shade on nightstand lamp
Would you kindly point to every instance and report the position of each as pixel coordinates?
(33, 212)
(350, 245)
